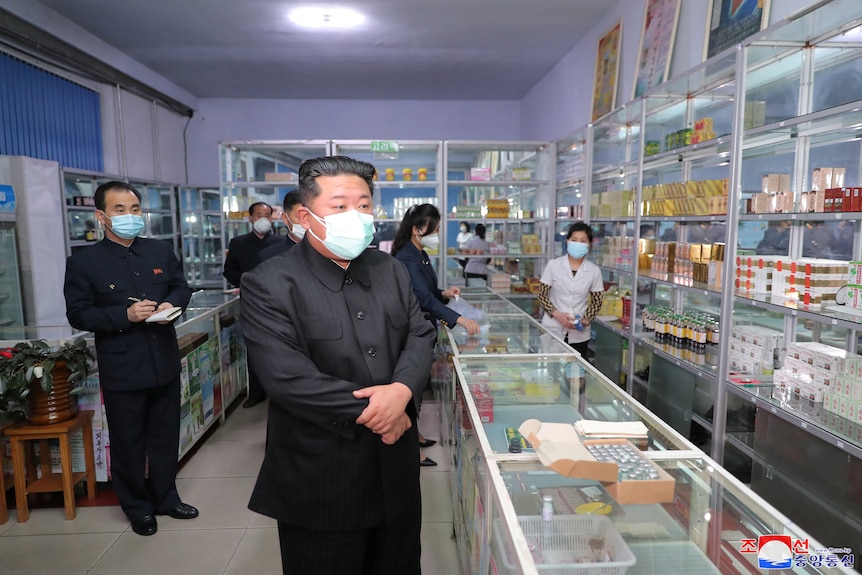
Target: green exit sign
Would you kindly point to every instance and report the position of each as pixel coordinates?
(384, 147)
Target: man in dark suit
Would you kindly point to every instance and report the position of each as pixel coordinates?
(292, 202)
(242, 256)
(343, 351)
(111, 288)
(242, 250)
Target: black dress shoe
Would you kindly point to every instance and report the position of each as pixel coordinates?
(427, 443)
(250, 402)
(182, 511)
(427, 462)
(145, 525)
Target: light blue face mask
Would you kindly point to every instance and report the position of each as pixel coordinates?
(577, 249)
(126, 226)
(347, 233)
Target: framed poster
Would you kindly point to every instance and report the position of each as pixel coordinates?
(729, 22)
(656, 46)
(607, 70)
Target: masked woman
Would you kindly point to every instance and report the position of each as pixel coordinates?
(571, 290)
(419, 230)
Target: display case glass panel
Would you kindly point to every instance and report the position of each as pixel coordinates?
(507, 188)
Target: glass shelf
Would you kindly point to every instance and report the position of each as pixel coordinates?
(702, 364)
(827, 426)
(681, 283)
(831, 314)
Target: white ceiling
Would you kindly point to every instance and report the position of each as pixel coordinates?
(408, 49)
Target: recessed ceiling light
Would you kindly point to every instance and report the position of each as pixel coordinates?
(326, 17)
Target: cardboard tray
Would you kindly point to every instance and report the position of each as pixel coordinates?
(561, 449)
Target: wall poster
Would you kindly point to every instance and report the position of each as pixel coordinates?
(656, 46)
(729, 22)
(607, 71)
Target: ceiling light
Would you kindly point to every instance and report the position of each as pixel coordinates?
(326, 18)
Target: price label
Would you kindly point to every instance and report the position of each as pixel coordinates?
(839, 444)
(834, 321)
(804, 425)
(792, 216)
(774, 409)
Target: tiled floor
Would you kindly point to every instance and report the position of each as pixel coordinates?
(226, 538)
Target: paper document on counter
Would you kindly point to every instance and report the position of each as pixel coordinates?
(593, 428)
(169, 314)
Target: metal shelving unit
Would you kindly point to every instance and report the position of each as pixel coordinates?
(798, 70)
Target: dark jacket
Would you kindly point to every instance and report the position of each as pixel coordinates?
(100, 279)
(424, 282)
(275, 249)
(242, 254)
(316, 333)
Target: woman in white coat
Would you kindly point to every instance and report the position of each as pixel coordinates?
(571, 290)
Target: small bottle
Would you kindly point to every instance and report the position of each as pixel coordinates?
(407, 174)
(389, 174)
(423, 174)
(547, 508)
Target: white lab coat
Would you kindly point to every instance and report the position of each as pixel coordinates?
(570, 294)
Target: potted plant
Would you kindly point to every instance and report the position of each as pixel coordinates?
(40, 382)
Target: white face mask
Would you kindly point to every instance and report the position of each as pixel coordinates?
(347, 233)
(296, 229)
(431, 241)
(262, 226)
(463, 229)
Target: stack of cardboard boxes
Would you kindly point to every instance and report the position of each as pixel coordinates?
(692, 198)
(754, 349)
(819, 373)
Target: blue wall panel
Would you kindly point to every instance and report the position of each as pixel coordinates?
(48, 117)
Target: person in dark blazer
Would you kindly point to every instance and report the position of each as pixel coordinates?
(242, 255)
(295, 232)
(419, 229)
(343, 352)
(111, 288)
(242, 250)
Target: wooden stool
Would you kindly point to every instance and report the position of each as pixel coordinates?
(24, 468)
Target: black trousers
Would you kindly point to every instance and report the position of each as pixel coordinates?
(144, 428)
(387, 550)
(255, 389)
(582, 348)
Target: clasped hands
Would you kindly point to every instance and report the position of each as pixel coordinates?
(385, 413)
(141, 310)
(567, 321)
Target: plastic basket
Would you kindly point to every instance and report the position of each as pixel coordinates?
(557, 545)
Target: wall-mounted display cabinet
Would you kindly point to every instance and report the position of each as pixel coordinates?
(723, 202)
(201, 225)
(509, 188)
(260, 171)
(506, 186)
(514, 515)
(573, 181)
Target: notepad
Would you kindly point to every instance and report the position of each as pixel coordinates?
(169, 314)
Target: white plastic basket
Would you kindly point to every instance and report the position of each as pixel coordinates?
(557, 545)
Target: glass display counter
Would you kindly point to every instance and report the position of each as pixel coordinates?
(707, 521)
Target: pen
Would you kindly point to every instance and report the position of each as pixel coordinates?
(134, 299)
